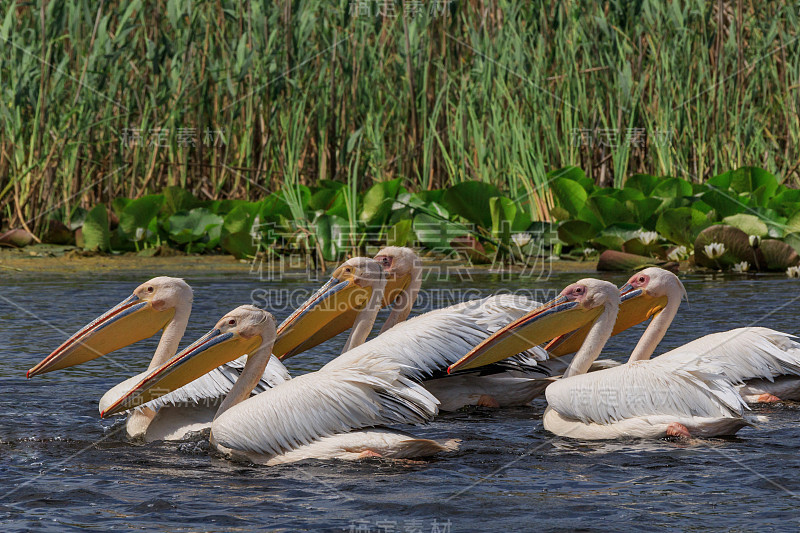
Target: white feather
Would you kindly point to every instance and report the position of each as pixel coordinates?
(676, 387)
(744, 353)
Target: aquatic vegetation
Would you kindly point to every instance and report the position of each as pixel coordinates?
(133, 100)
(476, 220)
(742, 267)
(648, 237)
(678, 253)
(521, 239)
(715, 250)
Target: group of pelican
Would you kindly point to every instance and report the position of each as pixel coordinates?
(504, 350)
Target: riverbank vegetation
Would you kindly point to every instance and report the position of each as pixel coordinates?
(190, 123)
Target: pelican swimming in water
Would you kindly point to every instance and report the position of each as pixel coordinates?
(327, 414)
(353, 297)
(679, 396)
(766, 361)
(161, 303)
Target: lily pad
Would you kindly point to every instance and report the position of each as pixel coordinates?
(681, 225)
(614, 261)
(778, 255)
(470, 200)
(96, 235)
(503, 212)
(737, 248)
(378, 200)
(575, 232)
(636, 247)
(750, 179)
(139, 213)
(178, 199)
(642, 182)
(793, 240)
(672, 188)
(16, 238)
(196, 226)
(435, 233)
(724, 201)
(750, 224)
(572, 173)
(239, 244)
(400, 234)
(569, 195)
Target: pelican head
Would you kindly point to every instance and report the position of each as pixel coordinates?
(403, 269)
(578, 304)
(242, 331)
(150, 308)
(645, 295)
(334, 308)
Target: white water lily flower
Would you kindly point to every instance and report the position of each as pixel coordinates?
(589, 251)
(521, 239)
(254, 233)
(793, 272)
(742, 267)
(139, 234)
(647, 237)
(714, 250)
(677, 253)
(755, 240)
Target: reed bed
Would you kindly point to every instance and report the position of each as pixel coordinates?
(238, 99)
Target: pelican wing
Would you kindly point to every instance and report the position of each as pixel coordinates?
(745, 353)
(214, 386)
(323, 403)
(423, 346)
(427, 344)
(678, 386)
(206, 390)
(372, 384)
(494, 312)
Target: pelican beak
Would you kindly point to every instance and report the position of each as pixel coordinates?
(205, 354)
(552, 319)
(328, 312)
(636, 306)
(128, 322)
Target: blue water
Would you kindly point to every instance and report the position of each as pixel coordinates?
(62, 468)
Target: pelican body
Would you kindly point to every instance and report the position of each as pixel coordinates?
(328, 414)
(355, 294)
(161, 303)
(763, 362)
(646, 399)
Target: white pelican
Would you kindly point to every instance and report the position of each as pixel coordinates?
(354, 295)
(166, 303)
(767, 361)
(327, 414)
(648, 399)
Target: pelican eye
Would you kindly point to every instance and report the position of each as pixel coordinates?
(232, 322)
(149, 289)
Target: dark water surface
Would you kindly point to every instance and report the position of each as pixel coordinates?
(62, 468)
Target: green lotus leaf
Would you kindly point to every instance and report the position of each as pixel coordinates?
(681, 225)
(750, 224)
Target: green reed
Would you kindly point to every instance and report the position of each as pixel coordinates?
(232, 99)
